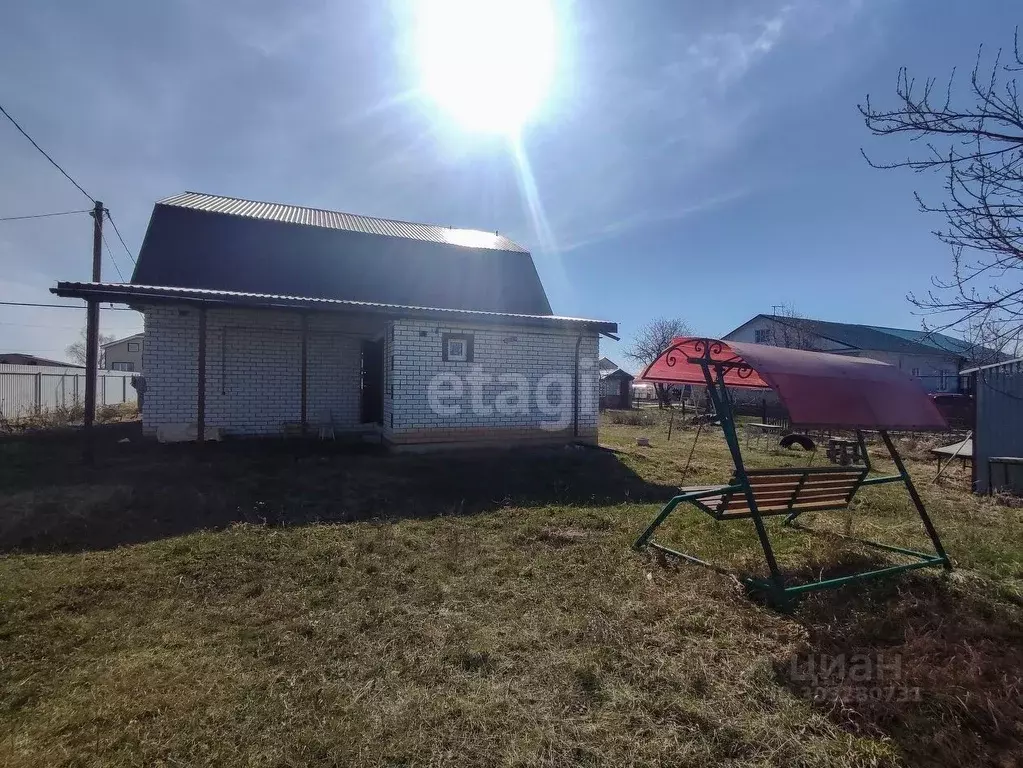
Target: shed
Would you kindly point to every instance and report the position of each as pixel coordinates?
(615, 385)
(998, 424)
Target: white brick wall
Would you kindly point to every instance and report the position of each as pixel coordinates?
(253, 373)
(253, 368)
(415, 357)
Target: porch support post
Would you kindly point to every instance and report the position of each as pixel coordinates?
(200, 419)
(305, 373)
(917, 502)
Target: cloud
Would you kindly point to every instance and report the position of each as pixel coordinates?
(671, 111)
(729, 55)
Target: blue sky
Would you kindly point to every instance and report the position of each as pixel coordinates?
(691, 159)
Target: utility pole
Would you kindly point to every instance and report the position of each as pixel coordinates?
(92, 330)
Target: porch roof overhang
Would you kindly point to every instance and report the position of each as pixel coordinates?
(143, 295)
(818, 389)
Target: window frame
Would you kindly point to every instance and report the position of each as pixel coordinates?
(447, 338)
(120, 367)
(134, 346)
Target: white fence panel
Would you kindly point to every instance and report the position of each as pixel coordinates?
(30, 389)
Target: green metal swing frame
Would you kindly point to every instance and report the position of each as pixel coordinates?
(774, 586)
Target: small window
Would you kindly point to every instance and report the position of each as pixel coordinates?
(942, 380)
(457, 347)
(762, 336)
(134, 346)
(915, 373)
(122, 366)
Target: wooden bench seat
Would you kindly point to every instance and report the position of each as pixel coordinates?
(785, 492)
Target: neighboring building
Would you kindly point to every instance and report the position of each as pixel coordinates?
(934, 358)
(18, 358)
(124, 354)
(615, 385)
(423, 334)
(643, 390)
(997, 446)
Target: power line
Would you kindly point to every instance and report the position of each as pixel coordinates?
(37, 325)
(116, 268)
(61, 306)
(41, 215)
(43, 152)
(111, 220)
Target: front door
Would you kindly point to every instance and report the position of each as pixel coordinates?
(372, 381)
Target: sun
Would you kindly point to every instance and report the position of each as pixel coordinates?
(487, 62)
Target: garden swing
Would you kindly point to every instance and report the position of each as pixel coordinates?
(819, 390)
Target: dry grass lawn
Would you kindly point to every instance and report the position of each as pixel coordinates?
(265, 606)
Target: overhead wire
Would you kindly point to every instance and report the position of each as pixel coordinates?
(80, 188)
(112, 261)
(41, 215)
(118, 232)
(44, 154)
(60, 306)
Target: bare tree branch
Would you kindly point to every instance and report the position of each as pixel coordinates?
(790, 329)
(652, 339)
(978, 145)
(76, 351)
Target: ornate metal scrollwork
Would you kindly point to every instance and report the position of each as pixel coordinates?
(707, 348)
(671, 358)
(707, 353)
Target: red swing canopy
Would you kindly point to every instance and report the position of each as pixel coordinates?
(818, 389)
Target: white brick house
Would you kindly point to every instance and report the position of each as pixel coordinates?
(472, 353)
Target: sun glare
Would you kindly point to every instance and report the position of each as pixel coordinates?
(487, 62)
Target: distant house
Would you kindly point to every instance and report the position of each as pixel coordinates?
(124, 354)
(18, 358)
(263, 317)
(933, 358)
(615, 385)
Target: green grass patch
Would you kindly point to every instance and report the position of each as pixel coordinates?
(266, 605)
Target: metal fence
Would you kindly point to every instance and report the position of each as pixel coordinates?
(26, 390)
(998, 393)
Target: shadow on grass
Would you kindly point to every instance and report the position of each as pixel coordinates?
(932, 661)
(140, 490)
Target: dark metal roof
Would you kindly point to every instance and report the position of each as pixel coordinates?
(617, 373)
(142, 295)
(350, 222)
(121, 341)
(865, 337)
(609, 367)
(224, 244)
(20, 358)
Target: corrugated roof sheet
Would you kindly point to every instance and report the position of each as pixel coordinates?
(933, 339)
(863, 337)
(223, 244)
(137, 294)
(349, 222)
